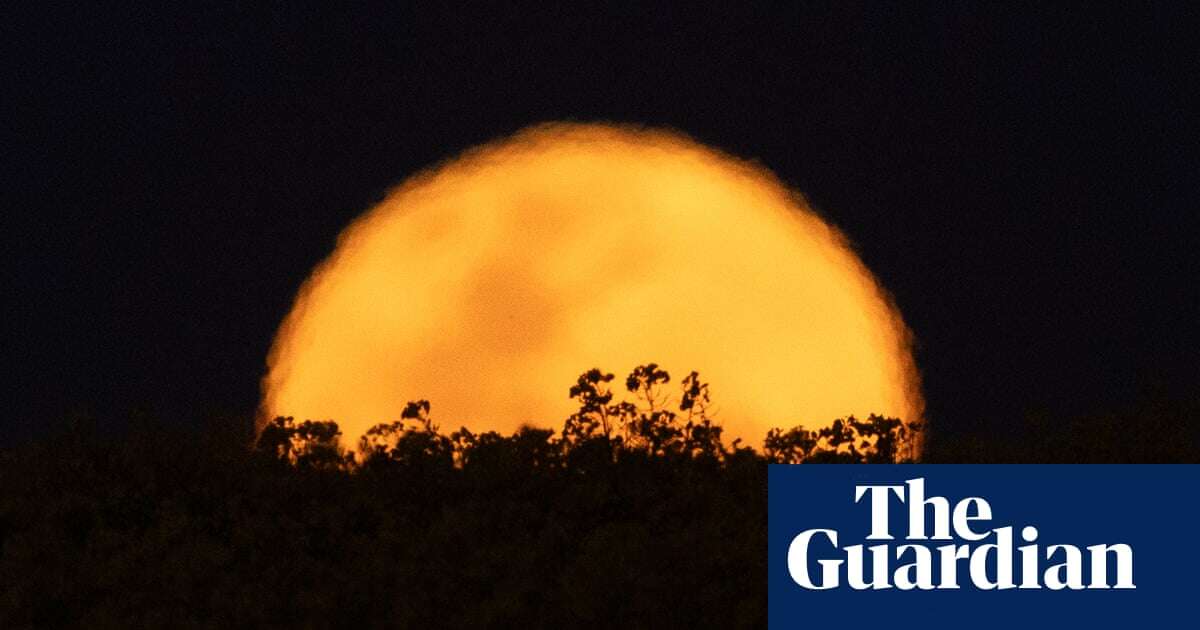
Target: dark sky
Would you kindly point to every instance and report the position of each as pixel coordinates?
(1024, 183)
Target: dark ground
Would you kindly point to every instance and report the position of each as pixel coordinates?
(654, 525)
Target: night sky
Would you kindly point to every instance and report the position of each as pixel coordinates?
(1024, 183)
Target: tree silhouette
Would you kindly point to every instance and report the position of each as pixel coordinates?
(413, 442)
(654, 423)
(878, 440)
(308, 444)
(632, 512)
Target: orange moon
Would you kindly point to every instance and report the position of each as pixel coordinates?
(488, 283)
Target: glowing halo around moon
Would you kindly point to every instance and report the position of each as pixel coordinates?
(488, 283)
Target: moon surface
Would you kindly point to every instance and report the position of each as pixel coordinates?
(487, 284)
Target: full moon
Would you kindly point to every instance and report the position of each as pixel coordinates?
(488, 283)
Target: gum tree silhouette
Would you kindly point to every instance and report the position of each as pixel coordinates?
(412, 443)
(308, 444)
(654, 424)
(877, 440)
(632, 512)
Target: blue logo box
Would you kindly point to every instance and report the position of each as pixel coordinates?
(970, 546)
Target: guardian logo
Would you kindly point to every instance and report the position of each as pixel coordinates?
(982, 546)
(967, 521)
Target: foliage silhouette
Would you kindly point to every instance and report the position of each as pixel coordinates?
(631, 513)
(878, 440)
(308, 444)
(654, 424)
